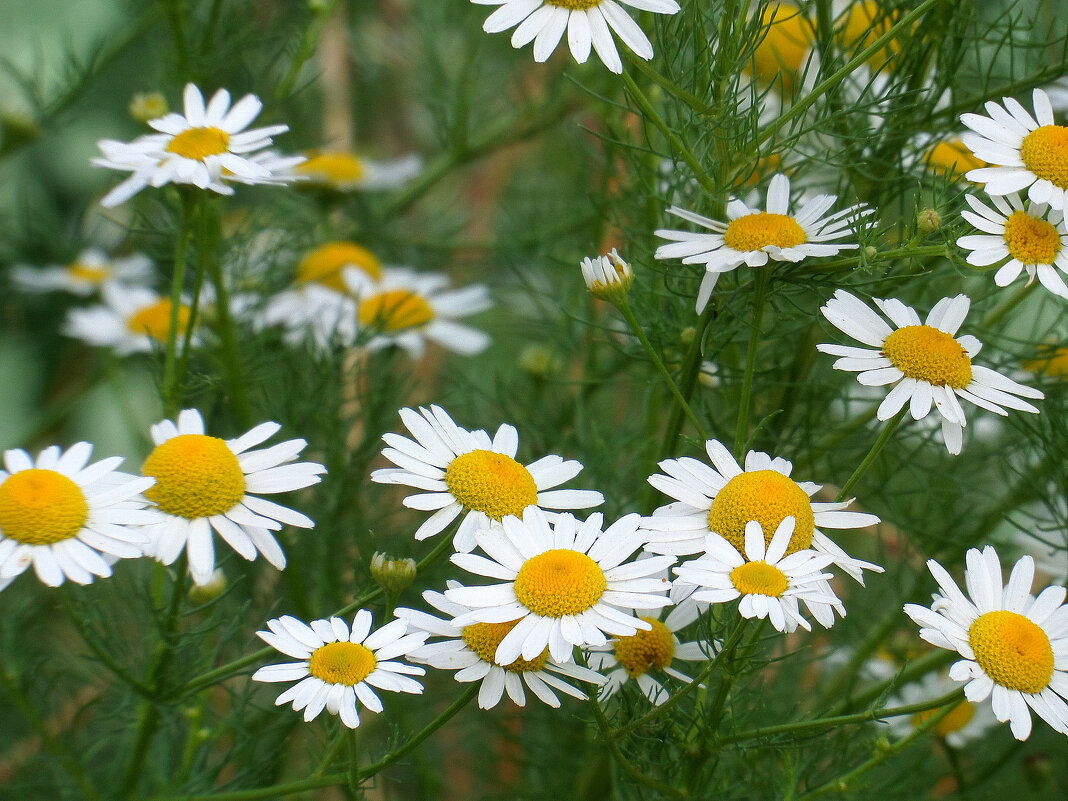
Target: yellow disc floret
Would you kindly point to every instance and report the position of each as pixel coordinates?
(395, 310)
(1031, 240)
(491, 483)
(785, 39)
(757, 231)
(759, 578)
(196, 476)
(1012, 650)
(342, 663)
(956, 720)
(768, 497)
(154, 320)
(483, 639)
(199, 143)
(90, 273)
(337, 169)
(953, 158)
(927, 354)
(559, 582)
(325, 264)
(40, 507)
(1045, 153)
(574, 5)
(646, 650)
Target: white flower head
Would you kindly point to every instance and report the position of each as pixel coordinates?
(967, 721)
(128, 320)
(88, 273)
(347, 172)
(607, 276)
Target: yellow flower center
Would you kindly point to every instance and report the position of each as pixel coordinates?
(646, 650)
(575, 5)
(338, 169)
(90, 273)
(342, 663)
(324, 265)
(559, 582)
(199, 143)
(927, 354)
(483, 639)
(492, 483)
(955, 721)
(864, 23)
(952, 158)
(40, 507)
(1031, 240)
(395, 310)
(757, 231)
(759, 578)
(767, 497)
(785, 39)
(1051, 361)
(196, 476)
(1045, 153)
(155, 320)
(1012, 650)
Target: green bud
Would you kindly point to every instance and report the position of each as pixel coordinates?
(392, 575)
(928, 221)
(145, 106)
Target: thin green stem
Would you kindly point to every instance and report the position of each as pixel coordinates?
(914, 670)
(309, 40)
(1014, 300)
(729, 675)
(627, 766)
(231, 356)
(760, 291)
(688, 374)
(332, 753)
(876, 448)
(172, 382)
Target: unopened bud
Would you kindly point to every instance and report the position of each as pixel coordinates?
(392, 575)
(214, 588)
(17, 128)
(608, 277)
(686, 336)
(538, 360)
(928, 221)
(870, 252)
(147, 106)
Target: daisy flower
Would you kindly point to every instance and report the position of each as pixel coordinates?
(1027, 152)
(607, 277)
(783, 47)
(205, 483)
(85, 275)
(467, 472)
(642, 655)
(347, 172)
(1015, 646)
(68, 518)
(926, 361)
(965, 723)
(754, 237)
(130, 320)
(193, 148)
(722, 498)
(768, 582)
(339, 665)
(469, 651)
(1025, 236)
(941, 155)
(564, 585)
(587, 23)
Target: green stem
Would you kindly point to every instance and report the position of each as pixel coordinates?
(880, 443)
(332, 753)
(628, 767)
(1014, 300)
(172, 381)
(760, 290)
(231, 356)
(915, 670)
(729, 675)
(688, 375)
(309, 40)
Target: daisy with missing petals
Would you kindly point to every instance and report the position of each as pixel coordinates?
(345, 172)
(926, 361)
(68, 518)
(754, 237)
(1025, 236)
(768, 582)
(723, 498)
(1027, 152)
(196, 148)
(85, 275)
(130, 320)
(339, 665)
(205, 483)
(965, 723)
(467, 472)
(1015, 646)
(587, 23)
(564, 585)
(469, 651)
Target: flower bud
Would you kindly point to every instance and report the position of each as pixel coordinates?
(205, 593)
(392, 575)
(538, 360)
(145, 106)
(608, 277)
(928, 221)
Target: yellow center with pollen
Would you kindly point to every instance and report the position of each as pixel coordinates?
(863, 24)
(324, 265)
(1031, 240)
(559, 582)
(757, 231)
(646, 650)
(333, 168)
(759, 578)
(1052, 361)
(956, 720)
(155, 320)
(196, 476)
(90, 273)
(1045, 153)
(767, 497)
(785, 39)
(952, 158)
(574, 5)
(199, 143)
(40, 507)
(1012, 650)
(342, 663)
(483, 639)
(491, 483)
(395, 310)
(927, 354)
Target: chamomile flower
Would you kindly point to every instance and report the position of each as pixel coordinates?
(68, 518)
(783, 47)
(768, 582)
(607, 277)
(965, 723)
(469, 651)
(926, 361)
(587, 23)
(195, 148)
(85, 275)
(204, 483)
(340, 665)
(722, 498)
(1015, 645)
(643, 655)
(346, 172)
(754, 237)
(129, 320)
(1027, 152)
(1026, 236)
(467, 473)
(565, 584)
(941, 155)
